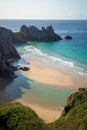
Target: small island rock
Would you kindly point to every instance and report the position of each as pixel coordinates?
(68, 37)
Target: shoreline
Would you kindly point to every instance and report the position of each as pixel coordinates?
(46, 114)
(53, 77)
(47, 75)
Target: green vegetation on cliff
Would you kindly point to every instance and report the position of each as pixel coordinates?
(74, 116)
(18, 117)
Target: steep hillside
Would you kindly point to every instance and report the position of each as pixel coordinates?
(18, 117)
(74, 116)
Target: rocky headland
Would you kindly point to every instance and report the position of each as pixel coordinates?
(32, 33)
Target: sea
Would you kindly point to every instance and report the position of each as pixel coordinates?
(66, 55)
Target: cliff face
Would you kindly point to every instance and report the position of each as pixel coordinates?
(6, 70)
(7, 51)
(34, 34)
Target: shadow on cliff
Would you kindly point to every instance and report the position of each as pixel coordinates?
(13, 88)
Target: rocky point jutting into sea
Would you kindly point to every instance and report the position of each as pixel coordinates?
(8, 38)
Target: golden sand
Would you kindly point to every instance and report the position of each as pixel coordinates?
(47, 76)
(47, 115)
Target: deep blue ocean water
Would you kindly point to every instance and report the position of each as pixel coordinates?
(62, 54)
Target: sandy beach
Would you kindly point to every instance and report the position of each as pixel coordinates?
(50, 76)
(47, 115)
(47, 75)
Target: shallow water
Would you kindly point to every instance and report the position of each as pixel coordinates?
(36, 93)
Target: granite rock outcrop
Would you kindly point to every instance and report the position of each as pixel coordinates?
(32, 33)
(7, 51)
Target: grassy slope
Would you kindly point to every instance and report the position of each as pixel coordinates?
(18, 117)
(76, 117)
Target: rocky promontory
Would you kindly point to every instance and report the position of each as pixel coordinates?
(32, 33)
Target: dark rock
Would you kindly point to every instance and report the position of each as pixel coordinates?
(68, 37)
(82, 89)
(28, 63)
(24, 68)
(28, 34)
(7, 51)
(6, 44)
(6, 70)
(34, 34)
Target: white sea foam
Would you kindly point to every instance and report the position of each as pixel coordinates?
(33, 53)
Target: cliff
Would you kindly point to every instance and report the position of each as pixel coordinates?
(7, 51)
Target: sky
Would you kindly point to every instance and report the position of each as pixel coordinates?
(43, 9)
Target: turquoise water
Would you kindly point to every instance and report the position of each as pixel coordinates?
(63, 54)
(36, 93)
(71, 53)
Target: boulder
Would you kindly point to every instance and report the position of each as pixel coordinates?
(68, 37)
(24, 68)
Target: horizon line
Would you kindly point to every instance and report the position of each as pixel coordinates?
(39, 19)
